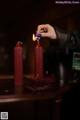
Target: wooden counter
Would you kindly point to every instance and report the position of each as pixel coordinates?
(42, 105)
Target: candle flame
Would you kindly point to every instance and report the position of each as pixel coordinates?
(34, 38)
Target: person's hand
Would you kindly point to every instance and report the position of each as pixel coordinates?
(46, 30)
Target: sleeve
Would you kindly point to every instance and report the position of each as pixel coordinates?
(62, 36)
(70, 40)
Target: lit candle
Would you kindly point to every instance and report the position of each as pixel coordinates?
(18, 64)
(38, 58)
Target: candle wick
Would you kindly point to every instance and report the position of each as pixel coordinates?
(19, 43)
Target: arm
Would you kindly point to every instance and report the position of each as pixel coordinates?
(65, 39)
(62, 36)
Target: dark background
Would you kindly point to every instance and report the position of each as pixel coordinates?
(19, 19)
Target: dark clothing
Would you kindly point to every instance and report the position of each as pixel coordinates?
(70, 40)
(71, 100)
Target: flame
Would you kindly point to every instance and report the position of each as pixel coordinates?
(34, 38)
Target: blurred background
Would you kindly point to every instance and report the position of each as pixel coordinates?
(19, 20)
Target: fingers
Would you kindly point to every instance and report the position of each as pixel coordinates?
(44, 34)
(42, 28)
(46, 30)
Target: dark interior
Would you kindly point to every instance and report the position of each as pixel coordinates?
(18, 21)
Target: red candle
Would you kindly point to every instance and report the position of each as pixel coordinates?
(18, 64)
(38, 61)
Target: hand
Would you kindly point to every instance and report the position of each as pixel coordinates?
(46, 30)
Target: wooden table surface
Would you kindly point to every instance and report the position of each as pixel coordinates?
(24, 101)
(30, 96)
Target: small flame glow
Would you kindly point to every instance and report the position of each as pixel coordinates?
(34, 38)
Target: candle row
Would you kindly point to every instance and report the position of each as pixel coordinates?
(18, 63)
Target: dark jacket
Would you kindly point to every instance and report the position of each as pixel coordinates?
(70, 40)
(70, 104)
